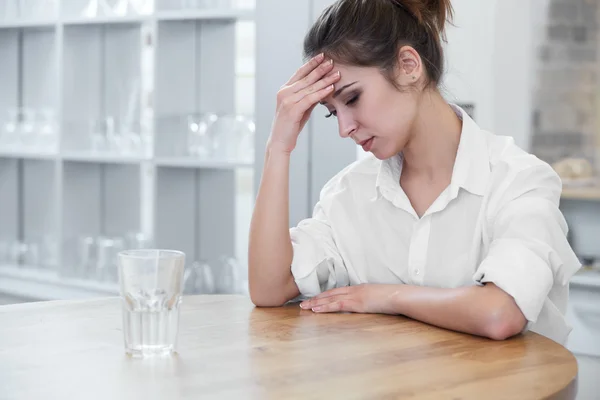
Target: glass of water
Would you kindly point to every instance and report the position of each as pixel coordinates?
(151, 284)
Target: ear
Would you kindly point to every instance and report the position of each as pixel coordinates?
(410, 67)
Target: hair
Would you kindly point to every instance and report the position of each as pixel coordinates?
(370, 33)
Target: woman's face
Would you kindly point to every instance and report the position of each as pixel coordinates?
(371, 111)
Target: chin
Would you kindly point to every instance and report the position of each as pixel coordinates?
(384, 154)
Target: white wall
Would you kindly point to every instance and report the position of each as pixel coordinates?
(489, 61)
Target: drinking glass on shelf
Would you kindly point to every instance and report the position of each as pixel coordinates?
(103, 136)
(47, 130)
(31, 254)
(138, 240)
(27, 129)
(4, 251)
(151, 285)
(199, 279)
(200, 143)
(10, 129)
(86, 256)
(229, 276)
(48, 248)
(17, 253)
(233, 138)
(106, 267)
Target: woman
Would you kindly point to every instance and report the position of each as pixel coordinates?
(443, 222)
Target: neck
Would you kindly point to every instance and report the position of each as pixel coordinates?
(431, 150)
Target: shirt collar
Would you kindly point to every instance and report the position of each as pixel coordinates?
(471, 167)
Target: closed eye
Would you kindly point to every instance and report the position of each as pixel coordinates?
(350, 102)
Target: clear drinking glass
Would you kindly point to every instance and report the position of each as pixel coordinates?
(151, 285)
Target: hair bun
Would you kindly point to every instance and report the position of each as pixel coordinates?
(432, 13)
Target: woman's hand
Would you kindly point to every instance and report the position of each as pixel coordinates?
(297, 98)
(367, 298)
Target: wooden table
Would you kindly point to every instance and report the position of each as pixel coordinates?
(230, 349)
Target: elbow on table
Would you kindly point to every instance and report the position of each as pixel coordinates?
(505, 322)
(260, 300)
(262, 296)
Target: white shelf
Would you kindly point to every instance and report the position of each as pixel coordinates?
(88, 157)
(31, 155)
(27, 23)
(48, 285)
(179, 162)
(587, 278)
(581, 193)
(126, 19)
(209, 14)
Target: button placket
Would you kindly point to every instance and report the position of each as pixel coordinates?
(418, 250)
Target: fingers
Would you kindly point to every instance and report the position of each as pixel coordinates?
(333, 292)
(317, 74)
(306, 69)
(315, 98)
(318, 85)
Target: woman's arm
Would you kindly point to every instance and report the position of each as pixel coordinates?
(480, 310)
(270, 250)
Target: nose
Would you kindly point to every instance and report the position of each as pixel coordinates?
(347, 125)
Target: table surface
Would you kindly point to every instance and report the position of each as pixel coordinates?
(230, 349)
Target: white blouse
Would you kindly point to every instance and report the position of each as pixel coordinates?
(498, 221)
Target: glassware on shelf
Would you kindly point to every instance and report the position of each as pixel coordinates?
(86, 257)
(199, 279)
(4, 251)
(200, 143)
(137, 240)
(106, 267)
(9, 137)
(27, 129)
(49, 252)
(47, 131)
(229, 276)
(233, 138)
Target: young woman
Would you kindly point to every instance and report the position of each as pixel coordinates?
(443, 222)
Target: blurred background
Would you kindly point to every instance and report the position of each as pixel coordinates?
(142, 123)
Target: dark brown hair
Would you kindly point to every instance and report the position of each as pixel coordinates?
(370, 32)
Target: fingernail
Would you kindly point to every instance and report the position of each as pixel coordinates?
(315, 309)
(331, 62)
(320, 56)
(338, 74)
(330, 87)
(301, 305)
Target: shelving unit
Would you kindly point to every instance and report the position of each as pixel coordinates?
(583, 193)
(140, 68)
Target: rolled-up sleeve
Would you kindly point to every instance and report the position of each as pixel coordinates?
(317, 264)
(529, 252)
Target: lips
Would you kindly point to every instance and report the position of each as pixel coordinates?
(367, 143)
(364, 141)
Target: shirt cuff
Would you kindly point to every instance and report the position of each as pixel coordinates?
(521, 274)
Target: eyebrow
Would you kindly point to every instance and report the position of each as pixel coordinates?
(339, 91)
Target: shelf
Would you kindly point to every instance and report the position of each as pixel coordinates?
(583, 193)
(209, 14)
(587, 278)
(203, 164)
(48, 285)
(126, 19)
(27, 23)
(87, 157)
(28, 155)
